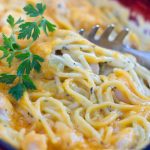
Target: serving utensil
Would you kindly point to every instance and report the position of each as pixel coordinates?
(143, 57)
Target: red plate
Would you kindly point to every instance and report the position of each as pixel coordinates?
(139, 6)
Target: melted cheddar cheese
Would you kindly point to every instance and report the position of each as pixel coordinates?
(87, 97)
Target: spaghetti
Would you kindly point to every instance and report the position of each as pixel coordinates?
(87, 97)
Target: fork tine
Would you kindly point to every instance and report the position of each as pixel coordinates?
(121, 36)
(93, 32)
(81, 31)
(105, 35)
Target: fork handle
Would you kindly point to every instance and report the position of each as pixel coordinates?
(143, 57)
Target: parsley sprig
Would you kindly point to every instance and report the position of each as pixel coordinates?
(27, 60)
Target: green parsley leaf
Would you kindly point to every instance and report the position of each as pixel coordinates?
(28, 83)
(27, 60)
(11, 21)
(31, 11)
(7, 41)
(6, 78)
(23, 56)
(47, 26)
(41, 8)
(24, 67)
(17, 91)
(36, 62)
(36, 65)
(38, 58)
(34, 12)
(10, 59)
(19, 21)
(29, 29)
(5, 52)
(16, 46)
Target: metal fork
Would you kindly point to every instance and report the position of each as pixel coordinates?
(143, 57)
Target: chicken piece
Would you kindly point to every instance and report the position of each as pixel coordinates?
(125, 139)
(69, 137)
(95, 68)
(34, 141)
(6, 109)
(120, 96)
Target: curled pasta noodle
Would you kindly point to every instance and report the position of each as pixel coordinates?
(88, 94)
(78, 97)
(86, 128)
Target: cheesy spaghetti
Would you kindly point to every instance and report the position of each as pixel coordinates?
(86, 97)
